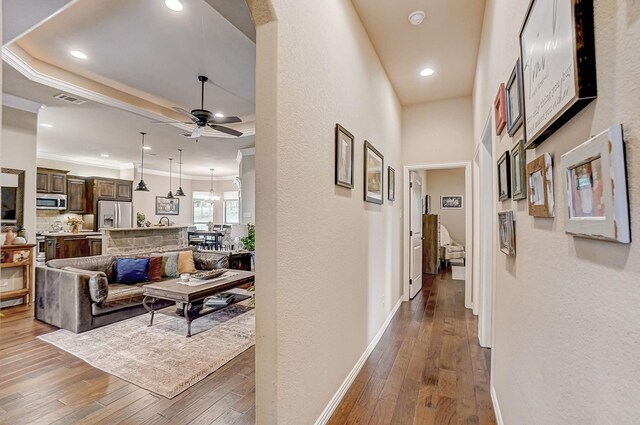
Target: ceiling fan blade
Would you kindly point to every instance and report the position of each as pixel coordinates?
(185, 112)
(226, 130)
(225, 120)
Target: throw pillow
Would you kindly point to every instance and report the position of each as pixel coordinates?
(96, 281)
(185, 262)
(132, 270)
(211, 260)
(155, 267)
(170, 264)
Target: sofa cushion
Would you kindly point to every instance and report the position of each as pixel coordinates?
(99, 263)
(155, 268)
(211, 260)
(185, 262)
(120, 296)
(132, 270)
(170, 264)
(97, 282)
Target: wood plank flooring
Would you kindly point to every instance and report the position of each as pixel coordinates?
(427, 369)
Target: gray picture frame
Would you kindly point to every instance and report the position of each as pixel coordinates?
(518, 172)
(167, 206)
(373, 178)
(344, 157)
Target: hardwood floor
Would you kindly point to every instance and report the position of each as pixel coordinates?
(427, 369)
(41, 384)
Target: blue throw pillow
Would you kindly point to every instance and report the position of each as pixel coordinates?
(132, 270)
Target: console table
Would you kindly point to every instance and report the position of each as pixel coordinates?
(18, 256)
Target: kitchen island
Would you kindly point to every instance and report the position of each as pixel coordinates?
(143, 239)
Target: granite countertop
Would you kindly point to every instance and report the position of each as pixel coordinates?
(80, 233)
(95, 237)
(131, 229)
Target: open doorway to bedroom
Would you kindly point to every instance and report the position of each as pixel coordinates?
(438, 220)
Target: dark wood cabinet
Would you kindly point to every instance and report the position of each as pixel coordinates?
(123, 191)
(99, 188)
(73, 246)
(240, 261)
(430, 243)
(76, 195)
(106, 189)
(51, 181)
(95, 246)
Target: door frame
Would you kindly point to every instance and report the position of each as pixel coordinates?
(468, 193)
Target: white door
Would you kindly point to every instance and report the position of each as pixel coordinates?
(415, 225)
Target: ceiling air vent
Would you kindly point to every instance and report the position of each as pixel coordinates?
(70, 99)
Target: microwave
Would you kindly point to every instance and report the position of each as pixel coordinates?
(49, 201)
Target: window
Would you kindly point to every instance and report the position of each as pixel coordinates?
(231, 208)
(202, 210)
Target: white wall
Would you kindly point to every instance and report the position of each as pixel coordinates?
(145, 202)
(448, 182)
(566, 309)
(248, 178)
(80, 170)
(336, 275)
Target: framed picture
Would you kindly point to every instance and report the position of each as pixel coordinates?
(504, 177)
(540, 187)
(344, 157)
(392, 184)
(506, 227)
(451, 202)
(167, 206)
(518, 170)
(499, 111)
(557, 52)
(595, 181)
(373, 174)
(513, 95)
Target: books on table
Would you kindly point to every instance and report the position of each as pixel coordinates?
(222, 299)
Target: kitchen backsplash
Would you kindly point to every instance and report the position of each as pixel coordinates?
(46, 218)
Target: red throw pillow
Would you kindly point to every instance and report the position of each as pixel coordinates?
(155, 268)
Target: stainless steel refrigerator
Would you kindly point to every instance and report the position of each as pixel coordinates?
(112, 214)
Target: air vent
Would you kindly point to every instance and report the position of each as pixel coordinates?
(70, 99)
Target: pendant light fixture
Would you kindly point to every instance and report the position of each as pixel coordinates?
(212, 196)
(180, 192)
(142, 186)
(170, 195)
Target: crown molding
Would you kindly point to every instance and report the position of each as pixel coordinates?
(112, 165)
(20, 103)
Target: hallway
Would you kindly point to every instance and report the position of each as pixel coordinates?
(428, 367)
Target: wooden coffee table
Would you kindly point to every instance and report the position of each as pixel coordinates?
(193, 296)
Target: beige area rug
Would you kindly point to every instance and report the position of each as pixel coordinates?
(160, 358)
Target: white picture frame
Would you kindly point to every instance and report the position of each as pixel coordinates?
(595, 182)
(507, 233)
(451, 202)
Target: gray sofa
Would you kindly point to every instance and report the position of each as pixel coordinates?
(79, 294)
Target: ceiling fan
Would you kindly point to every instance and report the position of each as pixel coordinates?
(203, 118)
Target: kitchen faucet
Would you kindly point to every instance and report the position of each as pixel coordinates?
(164, 218)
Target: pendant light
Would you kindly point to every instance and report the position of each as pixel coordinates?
(180, 192)
(170, 195)
(212, 196)
(142, 186)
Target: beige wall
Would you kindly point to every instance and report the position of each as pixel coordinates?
(448, 182)
(81, 170)
(248, 178)
(336, 276)
(219, 187)
(145, 202)
(566, 309)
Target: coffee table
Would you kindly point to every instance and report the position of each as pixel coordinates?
(193, 296)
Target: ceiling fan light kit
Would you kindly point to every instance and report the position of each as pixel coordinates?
(142, 186)
(180, 192)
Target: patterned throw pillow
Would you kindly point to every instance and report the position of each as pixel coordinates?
(210, 260)
(170, 264)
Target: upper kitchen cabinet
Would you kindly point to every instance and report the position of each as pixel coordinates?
(99, 188)
(76, 195)
(51, 181)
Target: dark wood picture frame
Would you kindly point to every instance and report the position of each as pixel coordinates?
(175, 200)
(391, 190)
(370, 150)
(518, 171)
(583, 58)
(499, 110)
(540, 170)
(340, 161)
(514, 86)
(504, 176)
(19, 198)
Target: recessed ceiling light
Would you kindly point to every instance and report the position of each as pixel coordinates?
(78, 54)
(427, 72)
(104, 155)
(218, 115)
(174, 5)
(147, 148)
(46, 125)
(416, 17)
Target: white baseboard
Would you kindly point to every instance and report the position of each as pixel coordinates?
(496, 406)
(337, 397)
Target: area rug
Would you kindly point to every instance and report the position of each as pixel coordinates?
(160, 358)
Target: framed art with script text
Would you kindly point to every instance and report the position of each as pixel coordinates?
(557, 55)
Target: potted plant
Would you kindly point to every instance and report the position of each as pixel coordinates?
(249, 241)
(140, 219)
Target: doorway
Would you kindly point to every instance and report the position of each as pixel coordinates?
(410, 171)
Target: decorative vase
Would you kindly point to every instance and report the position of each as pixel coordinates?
(8, 240)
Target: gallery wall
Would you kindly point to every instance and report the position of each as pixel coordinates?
(336, 276)
(566, 308)
(448, 182)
